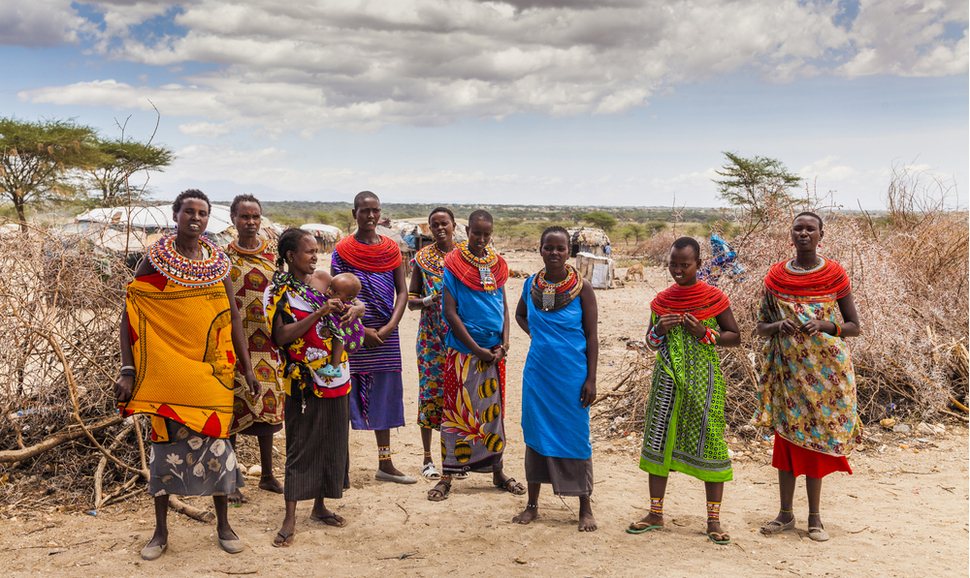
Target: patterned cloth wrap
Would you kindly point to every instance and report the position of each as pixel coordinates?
(807, 390)
(684, 424)
(430, 343)
(250, 274)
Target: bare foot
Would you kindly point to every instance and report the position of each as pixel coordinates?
(651, 519)
(268, 483)
(587, 523)
(527, 515)
(237, 497)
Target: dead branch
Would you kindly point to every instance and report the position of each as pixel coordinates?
(10, 456)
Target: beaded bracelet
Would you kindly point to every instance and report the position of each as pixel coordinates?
(653, 339)
(838, 329)
(710, 338)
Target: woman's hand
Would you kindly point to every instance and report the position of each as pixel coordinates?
(486, 355)
(335, 305)
(813, 326)
(667, 322)
(123, 388)
(353, 313)
(694, 327)
(371, 338)
(252, 382)
(786, 327)
(587, 395)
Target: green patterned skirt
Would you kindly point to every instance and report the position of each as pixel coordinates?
(684, 425)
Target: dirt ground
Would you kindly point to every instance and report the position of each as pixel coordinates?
(904, 512)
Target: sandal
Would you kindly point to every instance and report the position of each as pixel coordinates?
(776, 527)
(429, 472)
(641, 527)
(439, 492)
(818, 534)
(284, 541)
(330, 520)
(511, 486)
(721, 538)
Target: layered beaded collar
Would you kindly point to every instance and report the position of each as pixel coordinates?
(166, 259)
(484, 265)
(260, 248)
(554, 296)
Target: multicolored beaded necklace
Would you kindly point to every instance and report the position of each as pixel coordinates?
(260, 248)
(212, 269)
(484, 264)
(549, 290)
(431, 260)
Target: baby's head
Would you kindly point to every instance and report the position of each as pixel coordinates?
(345, 287)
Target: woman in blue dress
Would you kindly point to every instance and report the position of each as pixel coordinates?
(558, 310)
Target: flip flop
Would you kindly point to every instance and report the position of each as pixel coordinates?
(460, 476)
(330, 520)
(776, 527)
(287, 539)
(641, 527)
(511, 486)
(429, 472)
(721, 538)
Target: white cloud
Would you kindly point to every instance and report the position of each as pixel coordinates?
(40, 23)
(363, 64)
(206, 130)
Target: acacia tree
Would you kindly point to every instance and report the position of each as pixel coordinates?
(604, 221)
(34, 156)
(119, 159)
(756, 183)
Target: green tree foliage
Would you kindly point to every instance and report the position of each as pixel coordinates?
(120, 159)
(600, 219)
(344, 220)
(755, 183)
(638, 231)
(35, 156)
(322, 218)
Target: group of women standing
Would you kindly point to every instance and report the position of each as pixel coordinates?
(213, 310)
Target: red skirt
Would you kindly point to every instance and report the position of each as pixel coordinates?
(800, 461)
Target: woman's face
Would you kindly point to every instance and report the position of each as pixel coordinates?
(368, 214)
(806, 233)
(442, 227)
(303, 261)
(479, 235)
(193, 217)
(554, 250)
(683, 266)
(247, 219)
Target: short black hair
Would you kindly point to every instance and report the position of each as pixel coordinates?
(243, 199)
(480, 215)
(552, 229)
(289, 241)
(441, 210)
(684, 242)
(363, 196)
(810, 214)
(189, 194)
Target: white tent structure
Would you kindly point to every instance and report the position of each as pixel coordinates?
(153, 219)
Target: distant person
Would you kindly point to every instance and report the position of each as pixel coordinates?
(253, 263)
(808, 383)
(377, 394)
(424, 294)
(317, 406)
(477, 312)
(684, 422)
(181, 335)
(606, 250)
(558, 311)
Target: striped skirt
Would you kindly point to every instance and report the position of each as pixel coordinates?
(317, 448)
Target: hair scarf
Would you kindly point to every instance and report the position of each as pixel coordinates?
(700, 300)
(384, 256)
(487, 273)
(554, 296)
(827, 281)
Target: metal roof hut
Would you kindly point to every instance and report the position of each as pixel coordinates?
(590, 247)
(588, 240)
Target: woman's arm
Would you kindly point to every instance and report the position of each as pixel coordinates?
(587, 300)
(730, 334)
(522, 315)
(286, 333)
(850, 321)
(458, 328)
(126, 383)
(502, 349)
(415, 301)
(239, 343)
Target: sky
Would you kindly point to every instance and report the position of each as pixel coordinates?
(577, 102)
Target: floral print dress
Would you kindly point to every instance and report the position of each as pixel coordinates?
(430, 346)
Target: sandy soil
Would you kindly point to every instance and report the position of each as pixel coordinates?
(903, 513)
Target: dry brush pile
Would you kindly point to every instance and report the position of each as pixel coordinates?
(909, 273)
